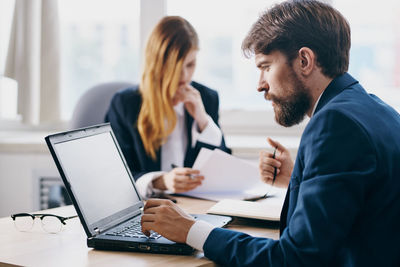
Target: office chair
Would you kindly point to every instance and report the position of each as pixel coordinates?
(93, 104)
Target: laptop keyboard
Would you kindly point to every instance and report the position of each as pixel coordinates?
(132, 229)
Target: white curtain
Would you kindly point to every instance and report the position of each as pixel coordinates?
(33, 60)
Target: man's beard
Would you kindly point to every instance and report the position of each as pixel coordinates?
(292, 108)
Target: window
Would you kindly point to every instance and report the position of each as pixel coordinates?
(8, 87)
(222, 25)
(101, 39)
(7, 11)
(375, 48)
(100, 43)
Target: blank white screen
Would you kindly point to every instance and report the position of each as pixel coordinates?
(98, 177)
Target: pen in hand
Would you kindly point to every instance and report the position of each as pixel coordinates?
(273, 181)
(173, 166)
(275, 170)
(191, 176)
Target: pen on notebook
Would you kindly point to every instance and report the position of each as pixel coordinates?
(191, 176)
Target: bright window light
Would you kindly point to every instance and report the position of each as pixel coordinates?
(222, 26)
(100, 43)
(375, 48)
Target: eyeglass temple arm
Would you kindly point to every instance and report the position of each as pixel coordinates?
(70, 217)
(67, 218)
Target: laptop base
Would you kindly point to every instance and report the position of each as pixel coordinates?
(115, 245)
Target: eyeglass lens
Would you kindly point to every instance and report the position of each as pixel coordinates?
(50, 224)
(23, 223)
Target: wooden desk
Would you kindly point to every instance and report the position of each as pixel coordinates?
(68, 248)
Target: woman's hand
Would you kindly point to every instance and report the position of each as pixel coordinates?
(179, 180)
(282, 162)
(193, 104)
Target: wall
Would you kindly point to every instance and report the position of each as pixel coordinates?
(18, 180)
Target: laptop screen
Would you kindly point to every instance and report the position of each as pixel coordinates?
(97, 175)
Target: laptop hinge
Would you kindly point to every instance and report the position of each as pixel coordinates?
(97, 230)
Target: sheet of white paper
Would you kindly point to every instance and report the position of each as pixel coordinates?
(226, 176)
(202, 157)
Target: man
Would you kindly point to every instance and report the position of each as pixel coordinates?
(343, 202)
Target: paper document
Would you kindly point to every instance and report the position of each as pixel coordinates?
(267, 209)
(226, 176)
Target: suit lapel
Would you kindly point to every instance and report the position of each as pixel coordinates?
(284, 212)
(334, 88)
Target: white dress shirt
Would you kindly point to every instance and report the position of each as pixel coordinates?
(200, 230)
(174, 149)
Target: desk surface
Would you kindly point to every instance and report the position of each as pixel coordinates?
(68, 248)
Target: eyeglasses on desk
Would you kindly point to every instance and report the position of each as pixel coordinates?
(50, 223)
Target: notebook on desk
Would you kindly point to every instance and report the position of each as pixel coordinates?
(103, 192)
(268, 209)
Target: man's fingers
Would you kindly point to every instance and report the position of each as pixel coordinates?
(266, 179)
(276, 144)
(154, 202)
(270, 161)
(267, 168)
(152, 210)
(147, 227)
(269, 173)
(148, 217)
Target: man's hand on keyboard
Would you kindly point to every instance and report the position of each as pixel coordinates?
(167, 219)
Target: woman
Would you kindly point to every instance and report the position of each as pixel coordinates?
(165, 121)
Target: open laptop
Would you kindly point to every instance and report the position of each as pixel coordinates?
(102, 189)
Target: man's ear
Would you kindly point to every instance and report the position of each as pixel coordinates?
(307, 61)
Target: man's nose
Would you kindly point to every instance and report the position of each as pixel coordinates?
(262, 85)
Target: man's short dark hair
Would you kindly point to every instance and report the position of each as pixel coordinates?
(291, 25)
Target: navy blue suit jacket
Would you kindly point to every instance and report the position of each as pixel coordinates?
(343, 203)
(123, 113)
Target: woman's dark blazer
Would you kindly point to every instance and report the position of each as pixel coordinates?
(123, 114)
